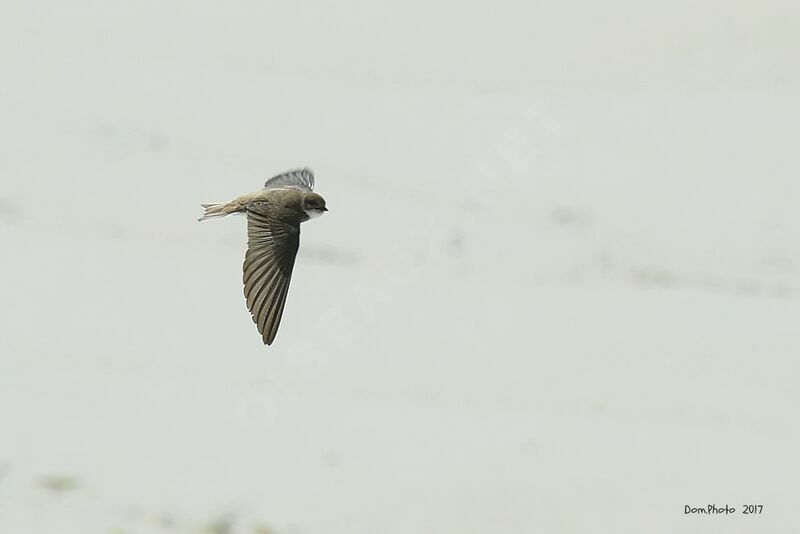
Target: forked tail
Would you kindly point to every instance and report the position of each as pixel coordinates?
(213, 211)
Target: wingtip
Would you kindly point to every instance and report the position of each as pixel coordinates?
(267, 339)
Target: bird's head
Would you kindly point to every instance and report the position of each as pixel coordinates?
(314, 205)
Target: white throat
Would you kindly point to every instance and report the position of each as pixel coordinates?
(312, 214)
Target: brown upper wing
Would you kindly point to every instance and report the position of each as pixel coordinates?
(271, 248)
(302, 179)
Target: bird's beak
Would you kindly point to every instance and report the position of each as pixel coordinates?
(324, 209)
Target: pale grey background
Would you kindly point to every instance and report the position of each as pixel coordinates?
(558, 289)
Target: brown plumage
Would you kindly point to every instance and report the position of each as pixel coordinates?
(273, 215)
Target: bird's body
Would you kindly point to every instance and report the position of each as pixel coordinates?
(273, 215)
(280, 202)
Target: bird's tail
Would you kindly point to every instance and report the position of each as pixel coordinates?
(213, 211)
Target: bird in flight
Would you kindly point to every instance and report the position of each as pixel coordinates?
(273, 215)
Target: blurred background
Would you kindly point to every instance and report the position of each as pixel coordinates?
(558, 288)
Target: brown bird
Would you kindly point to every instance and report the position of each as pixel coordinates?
(274, 215)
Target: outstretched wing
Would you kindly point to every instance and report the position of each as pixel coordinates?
(302, 179)
(271, 248)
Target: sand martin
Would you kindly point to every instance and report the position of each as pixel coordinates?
(273, 215)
